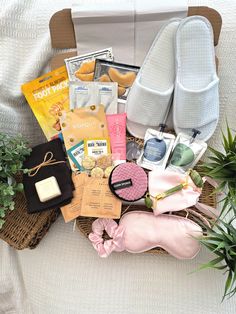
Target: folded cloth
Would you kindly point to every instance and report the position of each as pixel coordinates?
(56, 167)
(161, 181)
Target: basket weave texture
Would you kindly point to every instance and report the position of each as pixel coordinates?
(84, 224)
(22, 230)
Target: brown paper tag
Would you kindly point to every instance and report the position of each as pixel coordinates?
(98, 200)
(72, 210)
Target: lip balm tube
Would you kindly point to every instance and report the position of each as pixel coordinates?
(117, 130)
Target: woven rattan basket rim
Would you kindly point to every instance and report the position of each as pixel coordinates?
(22, 230)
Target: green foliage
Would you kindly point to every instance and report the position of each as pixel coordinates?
(222, 168)
(221, 240)
(13, 151)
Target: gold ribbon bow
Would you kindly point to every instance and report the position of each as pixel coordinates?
(47, 161)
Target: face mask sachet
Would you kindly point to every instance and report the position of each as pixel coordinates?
(187, 152)
(157, 149)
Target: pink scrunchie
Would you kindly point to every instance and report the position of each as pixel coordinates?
(104, 248)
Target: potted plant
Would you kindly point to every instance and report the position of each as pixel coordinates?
(222, 168)
(221, 238)
(13, 151)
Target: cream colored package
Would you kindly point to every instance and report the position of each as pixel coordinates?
(83, 123)
(98, 200)
(72, 210)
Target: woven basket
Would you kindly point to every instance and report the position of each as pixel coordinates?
(84, 224)
(22, 230)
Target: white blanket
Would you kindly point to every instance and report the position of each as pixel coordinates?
(64, 274)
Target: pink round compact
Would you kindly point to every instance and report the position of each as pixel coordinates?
(128, 182)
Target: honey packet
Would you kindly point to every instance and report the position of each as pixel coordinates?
(98, 200)
(83, 123)
(47, 96)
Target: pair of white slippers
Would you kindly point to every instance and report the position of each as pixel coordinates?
(179, 71)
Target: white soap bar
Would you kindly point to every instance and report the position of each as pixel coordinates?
(47, 189)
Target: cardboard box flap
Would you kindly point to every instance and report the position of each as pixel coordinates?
(63, 35)
(62, 30)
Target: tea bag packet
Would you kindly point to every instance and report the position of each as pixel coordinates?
(123, 74)
(82, 123)
(48, 183)
(187, 152)
(98, 201)
(47, 96)
(157, 149)
(83, 94)
(82, 67)
(73, 210)
(97, 147)
(76, 155)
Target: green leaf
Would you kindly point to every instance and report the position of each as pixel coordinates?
(19, 187)
(1, 222)
(211, 264)
(216, 153)
(227, 284)
(230, 137)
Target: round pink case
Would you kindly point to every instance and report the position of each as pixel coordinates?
(128, 182)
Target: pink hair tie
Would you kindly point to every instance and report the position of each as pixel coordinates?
(114, 231)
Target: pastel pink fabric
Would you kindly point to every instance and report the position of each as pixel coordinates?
(140, 231)
(161, 181)
(104, 248)
(144, 231)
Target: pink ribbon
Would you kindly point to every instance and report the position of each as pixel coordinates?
(115, 232)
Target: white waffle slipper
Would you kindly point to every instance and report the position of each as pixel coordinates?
(150, 97)
(196, 97)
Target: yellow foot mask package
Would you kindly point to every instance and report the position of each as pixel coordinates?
(47, 96)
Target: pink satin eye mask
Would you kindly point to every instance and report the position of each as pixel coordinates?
(141, 231)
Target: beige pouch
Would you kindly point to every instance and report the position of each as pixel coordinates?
(98, 200)
(83, 123)
(72, 210)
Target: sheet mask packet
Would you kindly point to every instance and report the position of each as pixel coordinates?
(82, 123)
(186, 153)
(123, 74)
(156, 150)
(98, 200)
(82, 67)
(47, 96)
(60, 171)
(73, 210)
(83, 94)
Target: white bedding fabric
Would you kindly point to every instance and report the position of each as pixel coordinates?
(64, 274)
